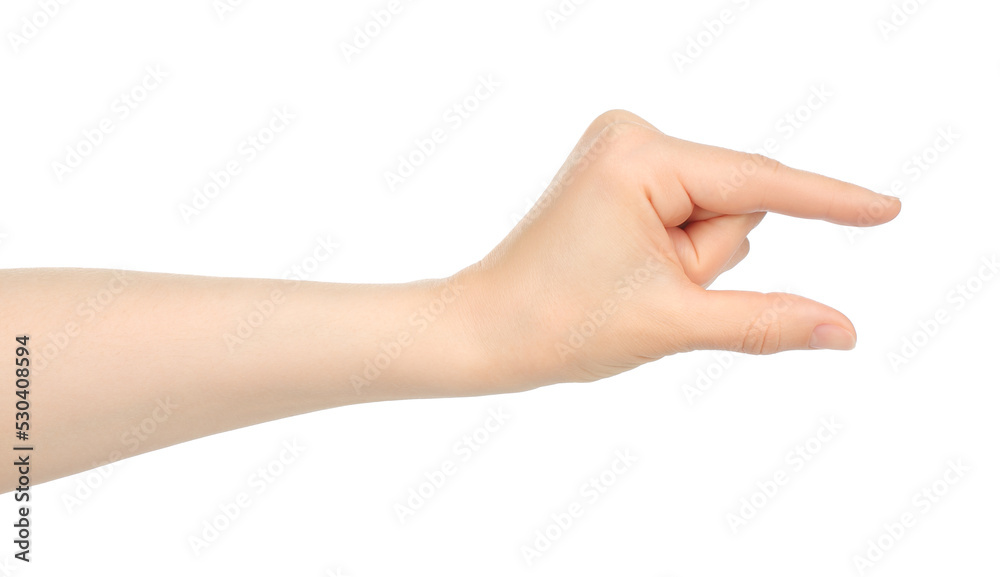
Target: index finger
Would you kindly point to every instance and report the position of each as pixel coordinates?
(731, 182)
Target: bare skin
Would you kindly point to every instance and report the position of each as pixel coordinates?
(607, 272)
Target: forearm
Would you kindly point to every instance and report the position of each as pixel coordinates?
(126, 362)
(608, 271)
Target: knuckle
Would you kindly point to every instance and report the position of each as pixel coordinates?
(615, 117)
(761, 338)
(765, 164)
(620, 145)
(763, 333)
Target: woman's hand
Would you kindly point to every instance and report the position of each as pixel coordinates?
(608, 270)
(605, 273)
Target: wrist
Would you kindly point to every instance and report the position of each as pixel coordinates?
(507, 344)
(425, 343)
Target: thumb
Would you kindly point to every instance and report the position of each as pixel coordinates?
(758, 323)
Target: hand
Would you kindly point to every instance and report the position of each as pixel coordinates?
(605, 273)
(608, 270)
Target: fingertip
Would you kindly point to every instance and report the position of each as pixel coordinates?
(894, 206)
(882, 209)
(832, 337)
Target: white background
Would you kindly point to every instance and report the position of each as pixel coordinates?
(333, 508)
